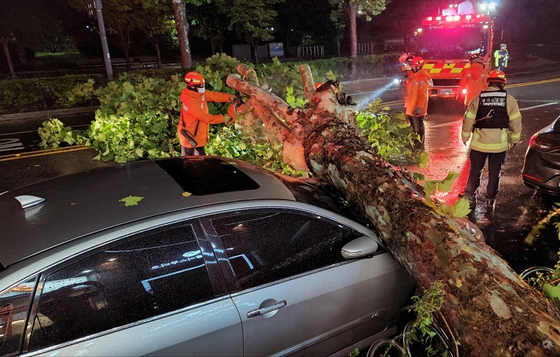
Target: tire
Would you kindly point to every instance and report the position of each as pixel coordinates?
(440, 337)
(385, 347)
(530, 275)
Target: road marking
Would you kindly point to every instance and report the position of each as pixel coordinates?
(532, 83)
(521, 109)
(11, 144)
(394, 102)
(25, 155)
(19, 132)
(538, 106)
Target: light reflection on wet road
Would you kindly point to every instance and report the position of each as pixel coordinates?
(518, 208)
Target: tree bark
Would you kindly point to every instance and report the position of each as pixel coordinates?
(488, 306)
(8, 57)
(352, 10)
(182, 26)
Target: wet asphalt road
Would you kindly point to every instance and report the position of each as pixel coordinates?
(518, 208)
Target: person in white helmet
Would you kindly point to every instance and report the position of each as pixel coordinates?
(501, 57)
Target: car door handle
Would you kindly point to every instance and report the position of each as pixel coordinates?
(266, 309)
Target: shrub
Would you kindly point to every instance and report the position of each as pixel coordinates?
(26, 95)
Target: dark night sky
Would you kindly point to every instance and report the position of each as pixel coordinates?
(517, 21)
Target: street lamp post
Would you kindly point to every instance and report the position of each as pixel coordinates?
(104, 45)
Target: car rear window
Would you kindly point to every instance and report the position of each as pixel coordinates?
(208, 176)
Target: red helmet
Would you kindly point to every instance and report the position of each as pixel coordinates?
(496, 76)
(406, 57)
(317, 85)
(194, 79)
(475, 58)
(417, 62)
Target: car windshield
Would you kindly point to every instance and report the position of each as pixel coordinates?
(438, 42)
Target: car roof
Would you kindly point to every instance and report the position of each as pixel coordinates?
(79, 204)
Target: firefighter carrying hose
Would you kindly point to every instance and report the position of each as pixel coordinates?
(195, 120)
(493, 124)
(473, 81)
(417, 95)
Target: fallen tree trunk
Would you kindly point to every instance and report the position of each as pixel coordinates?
(491, 310)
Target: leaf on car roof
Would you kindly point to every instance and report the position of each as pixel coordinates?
(131, 200)
(186, 194)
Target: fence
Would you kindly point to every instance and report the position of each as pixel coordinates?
(366, 48)
(311, 51)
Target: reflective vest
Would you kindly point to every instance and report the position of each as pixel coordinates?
(492, 110)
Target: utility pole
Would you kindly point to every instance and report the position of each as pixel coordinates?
(106, 54)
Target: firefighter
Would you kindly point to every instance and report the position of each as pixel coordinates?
(195, 120)
(492, 122)
(406, 71)
(416, 102)
(501, 57)
(473, 81)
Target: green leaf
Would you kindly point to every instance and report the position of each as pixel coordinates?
(552, 291)
(131, 200)
(423, 160)
(445, 185)
(460, 208)
(430, 187)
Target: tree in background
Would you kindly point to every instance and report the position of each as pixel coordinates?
(121, 18)
(348, 10)
(155, 20)
(211, 25)
(39, 26)
(295, 27)
(182, 27)
(251, 19)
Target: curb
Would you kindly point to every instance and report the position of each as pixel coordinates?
(45, 113)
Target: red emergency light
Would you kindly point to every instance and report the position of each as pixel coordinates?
(465, 19)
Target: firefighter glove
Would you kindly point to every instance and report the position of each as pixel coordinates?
(228, 120)
(235, 99)
(231, 110)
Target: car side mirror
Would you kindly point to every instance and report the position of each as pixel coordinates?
(359, 248)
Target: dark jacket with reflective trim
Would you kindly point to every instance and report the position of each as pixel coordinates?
(494, 139)
(492, 110)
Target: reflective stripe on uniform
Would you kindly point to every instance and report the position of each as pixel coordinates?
(492, 147)
(515, 116)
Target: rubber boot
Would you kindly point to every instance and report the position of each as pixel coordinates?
(490, 204)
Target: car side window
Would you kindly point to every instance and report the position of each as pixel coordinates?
(158, 272)
(267, 245)
(14, 304)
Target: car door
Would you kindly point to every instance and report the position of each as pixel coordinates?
(294, 291)
(150, 294)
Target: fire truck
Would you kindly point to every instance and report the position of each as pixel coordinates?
(445, 42)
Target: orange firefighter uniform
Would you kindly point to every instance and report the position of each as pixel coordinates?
(417, 94)
(195, 118)
(473, 81)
